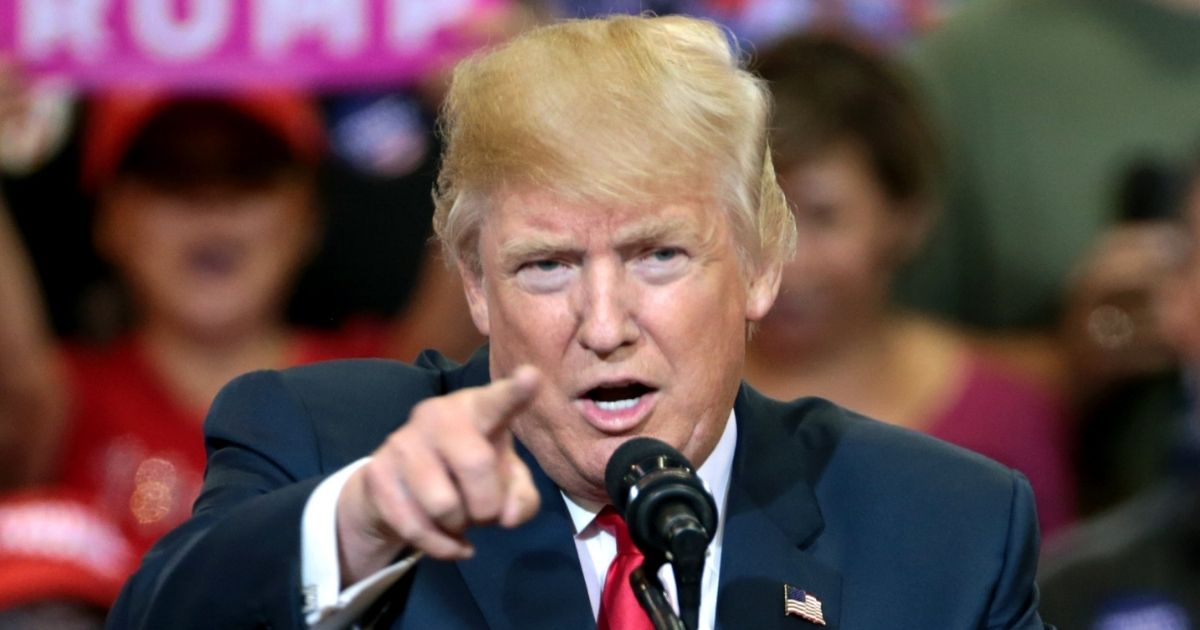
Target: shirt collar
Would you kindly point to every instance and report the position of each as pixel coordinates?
(714, 472)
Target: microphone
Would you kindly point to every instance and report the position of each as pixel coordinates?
(670, 514)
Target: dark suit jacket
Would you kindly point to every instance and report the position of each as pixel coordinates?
(888, 528)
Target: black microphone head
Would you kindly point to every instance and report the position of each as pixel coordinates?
(647, 478)
(634, 459)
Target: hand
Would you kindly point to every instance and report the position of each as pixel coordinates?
(35, 119)
(451, 466)
(14, 100)
(33, 408)
(1112, 325)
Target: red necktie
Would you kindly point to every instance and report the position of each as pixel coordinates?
(619, 608)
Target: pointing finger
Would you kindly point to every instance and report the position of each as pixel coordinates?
(497, 403)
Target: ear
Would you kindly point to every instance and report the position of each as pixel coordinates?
(476, 291)
(764, 287)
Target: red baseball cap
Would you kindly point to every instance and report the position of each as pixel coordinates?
(115, 119)
(53, 546)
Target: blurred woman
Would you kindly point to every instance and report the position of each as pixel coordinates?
(206, 210)
(856, 158)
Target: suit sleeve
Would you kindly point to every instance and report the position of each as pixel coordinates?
(1014, 603)
(236, 562)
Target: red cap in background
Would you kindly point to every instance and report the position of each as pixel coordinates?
(115, 119)
(53, 546)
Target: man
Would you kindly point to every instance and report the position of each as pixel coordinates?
(608, 197)
(1137, 566)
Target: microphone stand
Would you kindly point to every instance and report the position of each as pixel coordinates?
(650, 594)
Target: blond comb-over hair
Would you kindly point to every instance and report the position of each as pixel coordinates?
(624, 109)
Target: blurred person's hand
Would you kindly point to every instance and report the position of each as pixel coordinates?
(32, 404)
(1112, 326)
(1179, 294)
(13, 98)
(35, 119)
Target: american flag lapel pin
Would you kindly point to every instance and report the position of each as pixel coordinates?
(798, 603)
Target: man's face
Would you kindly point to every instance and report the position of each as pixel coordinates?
(636, 317)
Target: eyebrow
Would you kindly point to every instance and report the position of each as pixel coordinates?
(535, 247)
(631, 237)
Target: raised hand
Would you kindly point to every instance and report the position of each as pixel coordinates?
(451, 466)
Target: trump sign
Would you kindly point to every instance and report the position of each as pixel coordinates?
(219, 43)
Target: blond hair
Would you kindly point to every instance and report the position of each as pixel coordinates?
(615, 110)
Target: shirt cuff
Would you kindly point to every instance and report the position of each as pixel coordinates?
(325, 604)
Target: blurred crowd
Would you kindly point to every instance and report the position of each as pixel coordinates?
(998, 205)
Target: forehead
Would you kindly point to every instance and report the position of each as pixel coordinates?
(537, 216)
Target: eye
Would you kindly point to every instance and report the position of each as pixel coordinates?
(666, 254)
(662, 263)
(817, 215)
(544, 275)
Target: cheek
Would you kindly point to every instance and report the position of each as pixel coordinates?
(528, 328)
(852, 263)
(826, 260)
(278, 221)
(153, 241)
(277, 234)
(693, 322)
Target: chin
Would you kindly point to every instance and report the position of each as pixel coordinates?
(220, 324)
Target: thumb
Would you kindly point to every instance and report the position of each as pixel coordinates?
(521, 498)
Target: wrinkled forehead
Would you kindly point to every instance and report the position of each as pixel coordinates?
(530, 218)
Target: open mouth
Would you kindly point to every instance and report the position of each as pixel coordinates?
(214, 260)
(617, 397)
(618, 406)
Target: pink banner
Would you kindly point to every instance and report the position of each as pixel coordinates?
(211, 44)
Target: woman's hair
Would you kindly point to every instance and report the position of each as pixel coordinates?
(628, 110)
(829, 89)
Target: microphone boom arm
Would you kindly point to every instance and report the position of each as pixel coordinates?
(649, 593)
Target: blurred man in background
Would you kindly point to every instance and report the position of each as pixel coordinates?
(1137, 567)
(1045, 108)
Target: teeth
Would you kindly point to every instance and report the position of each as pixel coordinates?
(616, 405)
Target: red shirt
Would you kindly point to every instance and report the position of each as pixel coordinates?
(138, 450)
(1012, 421)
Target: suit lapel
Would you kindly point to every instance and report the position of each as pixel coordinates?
(771, 518)
(530, 577)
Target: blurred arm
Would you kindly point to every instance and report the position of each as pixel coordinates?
(32, 393)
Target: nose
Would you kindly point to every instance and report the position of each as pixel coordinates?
(606, 312)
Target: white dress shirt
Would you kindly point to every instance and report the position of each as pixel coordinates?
(327, 605)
